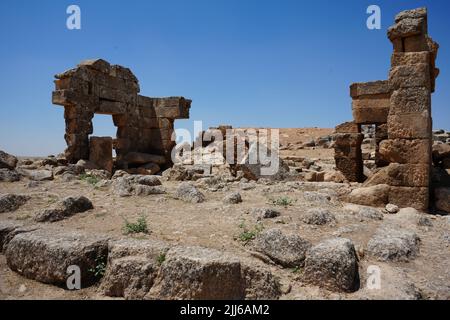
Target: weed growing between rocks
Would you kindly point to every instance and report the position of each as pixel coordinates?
(140, 226)
(89, 179)
(282, 201)
(247, 234)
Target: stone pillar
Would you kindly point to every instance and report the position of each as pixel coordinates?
(347, 148)
(409, 124)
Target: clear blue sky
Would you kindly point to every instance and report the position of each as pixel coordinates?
(242, 62)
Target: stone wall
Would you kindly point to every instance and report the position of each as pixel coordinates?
(144, 125)
(401, 109)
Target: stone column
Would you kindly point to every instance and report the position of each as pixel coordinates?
(347, 151)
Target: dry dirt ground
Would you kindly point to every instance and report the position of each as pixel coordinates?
(214, 224)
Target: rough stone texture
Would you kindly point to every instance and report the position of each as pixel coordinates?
(377, 195)
(332, 264)
(144, 124)
(36, 175)
(12, 202)
(6, 228)
(389, 244)
(126, 186)
(198, 274)
(189, 193)
(7, 175)
(348, 155)
(132, 267)
(319, 217)
(265, 213)
(45, 254)
(7, 161)
(415, 197)
(64, 209)
(232, 198)
(100, 152)
(406, 151)
(288, 250)
(402, 175)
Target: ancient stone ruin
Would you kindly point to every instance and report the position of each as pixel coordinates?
(144, 125)
(400, 107)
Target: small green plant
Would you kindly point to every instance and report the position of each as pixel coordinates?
(140, 226)
(89, 179)
(282, 201)
(161, 258)
(247, 234)
(100, 267)
(297, 269)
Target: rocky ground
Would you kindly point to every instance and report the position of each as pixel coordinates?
(189, 235)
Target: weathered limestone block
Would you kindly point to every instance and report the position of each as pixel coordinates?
(406, 175)
(348, 127)
(370, 89)
(348, 155)
(410, 126)
(406, 151)
(45, 254)
(409, 58)
(410, 100)
(412, 14)
(407, 27)
(198, 273)
(414, 197)
(173, 107)
(100, 152)
(369, 111)
(410, 76)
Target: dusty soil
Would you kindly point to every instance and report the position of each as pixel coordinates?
(213, 224)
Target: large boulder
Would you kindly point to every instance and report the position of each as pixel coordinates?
(197, 273)
(12, 202)
(288, 250)
(44, 255)
(66, 208)
(129, 185)
(132, 267)
(37, 175)
(393, 244)
(7, 161)
(7, 175)
(333, 264)
(375, 196)
(189, 193)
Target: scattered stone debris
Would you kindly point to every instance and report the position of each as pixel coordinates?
(8, 175)
(189, 193)
(265, 213)
(232, 198)
(12, 202)
(64, 209)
